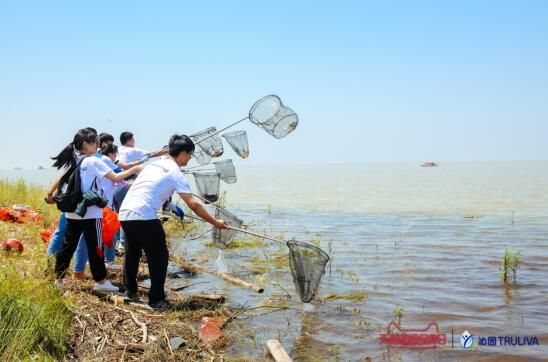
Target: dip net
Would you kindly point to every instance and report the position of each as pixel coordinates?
(223, 238)
(307, 263)
(227, 171)
(208, 185)
(270, 114)
(209, 142)
(238, 141)
(201, 157)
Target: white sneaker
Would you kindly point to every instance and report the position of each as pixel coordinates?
(106, 287)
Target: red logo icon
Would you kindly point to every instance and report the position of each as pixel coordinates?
(427, 338)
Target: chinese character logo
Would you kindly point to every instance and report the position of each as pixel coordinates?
(420, 338)
(466, 339)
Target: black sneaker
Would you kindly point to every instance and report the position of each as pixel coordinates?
(161, 305)
(131, 297)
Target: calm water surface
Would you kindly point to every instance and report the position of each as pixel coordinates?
(429, 240)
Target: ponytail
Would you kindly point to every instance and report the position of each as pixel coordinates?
(66, 158)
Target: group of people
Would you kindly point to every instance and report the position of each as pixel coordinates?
(137, 193)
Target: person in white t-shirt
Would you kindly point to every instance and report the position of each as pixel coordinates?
(92, 173)
(127, 152)
(106, 139)
(154, 187)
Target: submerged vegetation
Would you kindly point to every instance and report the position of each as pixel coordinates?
(509, 266)
(353, 297)
(398, 314)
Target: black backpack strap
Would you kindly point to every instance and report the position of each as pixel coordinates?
(94, 184)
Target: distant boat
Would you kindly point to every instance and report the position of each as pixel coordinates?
(41, 168)
(18, 168)
(429, 164)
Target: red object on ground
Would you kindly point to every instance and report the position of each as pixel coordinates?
(13, 245)
(6, 215)
(19, 216)
(46, 234)
(111, 225)
(210, 328)
(30, 215)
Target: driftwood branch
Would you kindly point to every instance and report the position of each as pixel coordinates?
(142, 325)
(277, 351)
(188, 265)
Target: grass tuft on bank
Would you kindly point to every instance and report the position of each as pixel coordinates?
(34, 320)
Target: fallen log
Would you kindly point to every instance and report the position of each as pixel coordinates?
(186, 264)
(277, 351)
(211, 297)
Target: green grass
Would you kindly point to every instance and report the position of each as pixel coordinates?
(353, 297)
(252, 242)
(20, 192)
(398, 314)
(34, 320)
(509, 266)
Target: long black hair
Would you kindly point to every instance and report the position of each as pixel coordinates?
(66, 157)
(109, 148)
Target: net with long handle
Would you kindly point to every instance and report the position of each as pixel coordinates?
(209, 142)
(223, 238)
(307, 263)
(270, 114)
(227, 171)
(201, 157)
(208, 185)
(238, 141)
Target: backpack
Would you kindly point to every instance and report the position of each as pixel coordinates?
(69, 192)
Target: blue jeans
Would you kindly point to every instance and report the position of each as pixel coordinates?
(81, 255)
(110, 253)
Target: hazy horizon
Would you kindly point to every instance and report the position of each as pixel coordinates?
(239, 163)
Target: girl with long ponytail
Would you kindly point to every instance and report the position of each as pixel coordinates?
(93, 171)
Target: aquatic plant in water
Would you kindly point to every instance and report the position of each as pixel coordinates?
(398, 314)
(510, 263)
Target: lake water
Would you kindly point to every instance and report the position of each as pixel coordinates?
(429, 240)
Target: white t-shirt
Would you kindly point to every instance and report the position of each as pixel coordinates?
(108, 186)
(130, 154)
(152, 188)
(92, 168)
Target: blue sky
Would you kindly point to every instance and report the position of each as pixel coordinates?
(384, 81)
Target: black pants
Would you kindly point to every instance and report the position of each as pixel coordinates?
(92, 230)
(147, 235)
